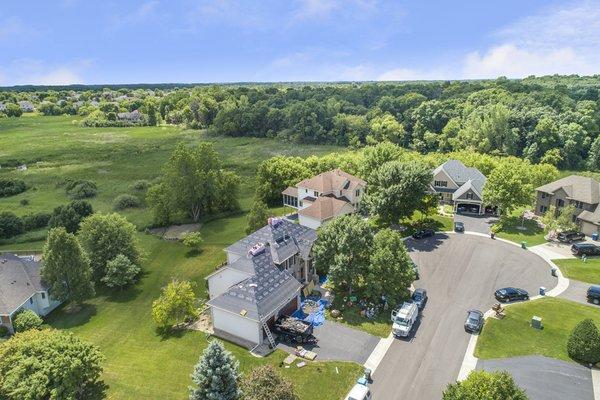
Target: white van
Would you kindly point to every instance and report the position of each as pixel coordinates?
(404, 319)
(359, 392)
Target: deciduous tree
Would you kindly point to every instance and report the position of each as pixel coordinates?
(483, 385)
(66, 268)
(265, 383)
(176, 304)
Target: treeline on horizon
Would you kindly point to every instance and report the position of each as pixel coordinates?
(553, 119)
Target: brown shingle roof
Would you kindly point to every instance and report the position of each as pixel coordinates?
(331, 181)
(324, 208)
(291, 191)
(577, 187)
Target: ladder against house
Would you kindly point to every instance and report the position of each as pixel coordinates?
(269, 334)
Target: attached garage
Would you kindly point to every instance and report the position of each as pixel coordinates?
(589, 228)
(237, 326)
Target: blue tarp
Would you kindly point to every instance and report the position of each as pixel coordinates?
(316, 318)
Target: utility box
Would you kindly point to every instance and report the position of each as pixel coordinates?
(536, 322)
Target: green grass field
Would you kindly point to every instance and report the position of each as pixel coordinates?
(56, 148)
(575, 268)
(140, 363)
(513, 336)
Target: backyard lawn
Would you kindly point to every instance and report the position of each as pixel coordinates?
(513, 336)
(516, 229)
(575, 268)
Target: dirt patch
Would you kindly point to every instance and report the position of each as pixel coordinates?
(203, 324)
(175, 232)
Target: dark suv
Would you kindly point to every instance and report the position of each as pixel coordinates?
(593, 294)
(570, 236)
(589, 249)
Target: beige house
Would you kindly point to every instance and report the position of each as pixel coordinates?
(460, 186)
(580, 191)
(325, 196)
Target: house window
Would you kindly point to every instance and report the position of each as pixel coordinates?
(43, 295)
(31, 300)
(316, 193)
(578, 204)
(300, 203)
(560, 203)
(470, 196)
(544, 195)
(357, 192)
(440, 183)
(543, 209)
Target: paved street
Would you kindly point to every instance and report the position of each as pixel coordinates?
(459, 272)
(577, 291)
(546, 378)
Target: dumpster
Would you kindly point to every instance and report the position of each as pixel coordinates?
(595, 236)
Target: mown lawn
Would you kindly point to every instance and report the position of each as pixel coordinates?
(513, 336)
(575, 268)
(380, 326)
(140, 363)
(513, 227)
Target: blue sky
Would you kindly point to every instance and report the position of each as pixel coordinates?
(93, 42)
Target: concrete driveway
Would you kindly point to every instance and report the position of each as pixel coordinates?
(476, 223)
(460, 272)
(546, 378)
(339, 342)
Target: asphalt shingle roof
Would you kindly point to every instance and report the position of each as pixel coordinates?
(19, 280)
(577, 187)
(462, 174)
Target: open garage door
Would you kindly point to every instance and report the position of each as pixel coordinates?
(468, 208)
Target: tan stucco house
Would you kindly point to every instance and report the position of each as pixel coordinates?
(325, 196)
(580, 191)
(460, 186)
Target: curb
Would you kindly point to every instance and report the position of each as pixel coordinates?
(470, 361)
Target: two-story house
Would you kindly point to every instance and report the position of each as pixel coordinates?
(325, 196)
(262, 279)
(580, 191)
(21, 288)
(460, 186)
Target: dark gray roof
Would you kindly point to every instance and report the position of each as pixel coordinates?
(577, 187)
(462, 174)
(285, 239)
(259, 295)
(19, 280)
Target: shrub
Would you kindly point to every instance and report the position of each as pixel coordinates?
(82, 189)
(265, 382)
(36, 221)
(193, 240)
(24, 202)
(584, 343)
(3, 331)
(120, 272)
(26, 320)
(141, 185)
(480, 385)
(11, 187)
(10, 225)
(126, 201)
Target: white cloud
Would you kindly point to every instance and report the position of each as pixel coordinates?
(34, 72)
(308, 9)
(512, 61)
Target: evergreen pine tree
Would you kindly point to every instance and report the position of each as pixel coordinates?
(216, 375)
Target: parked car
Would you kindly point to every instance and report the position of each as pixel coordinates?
(570, 236)
(459, 226)
(359, 392)
(404, 319)
(593, 294)
(588, 249)
(419, 297)
(511, 294)
(474, 321)
(423, 233)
